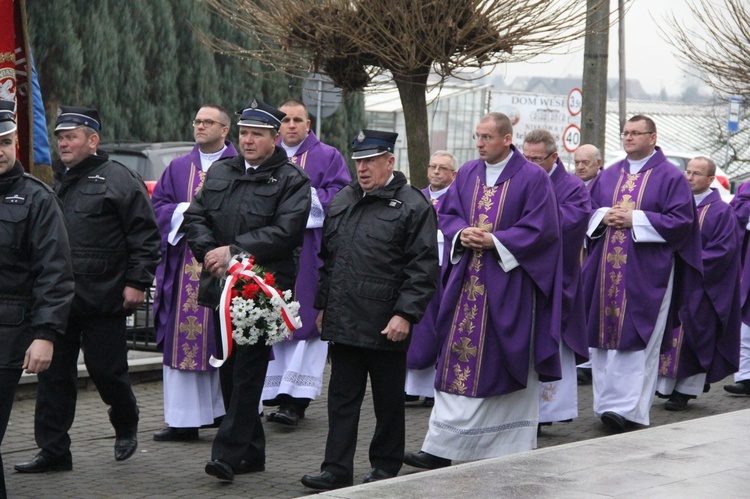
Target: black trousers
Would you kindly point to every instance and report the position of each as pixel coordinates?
(240, 435)
(103, 340)
(8, 383)
(346, 390)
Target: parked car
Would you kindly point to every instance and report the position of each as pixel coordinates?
(680, 159)
(149, 159)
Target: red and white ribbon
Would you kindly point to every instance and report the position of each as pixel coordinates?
(243, 269)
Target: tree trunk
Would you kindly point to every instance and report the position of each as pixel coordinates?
(412, 90)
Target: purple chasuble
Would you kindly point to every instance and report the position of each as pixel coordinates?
(711, 345)
(625, 281)
(328, 174)
(575, 206)
(741, 206)
(490, 318)
(425, 343)
(184, 329)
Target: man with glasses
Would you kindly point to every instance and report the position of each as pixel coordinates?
(184, 329)
(423, 350)
(707, 349)
(644, 261)
(558, 400)
(499, 315)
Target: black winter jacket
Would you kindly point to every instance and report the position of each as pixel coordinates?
(114, 239)
(380, 259)
(262, 212)
(36, 279)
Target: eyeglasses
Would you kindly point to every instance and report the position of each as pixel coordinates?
(439, 168)
(206, 123)
(634, 134)
(696, 174)
(483, 137)
(537, 159)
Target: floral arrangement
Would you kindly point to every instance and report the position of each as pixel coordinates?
(256, 312)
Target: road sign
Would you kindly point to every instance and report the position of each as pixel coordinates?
(733, 121)
(571, 138)
(575, 101)
(320, 95)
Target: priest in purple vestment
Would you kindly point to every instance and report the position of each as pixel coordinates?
(558, 400)
(184, 329)
(499, 315)
(644, 266)
(741, 206)
(425, 343)
(588, 163)
(707, 350)
(295, 375)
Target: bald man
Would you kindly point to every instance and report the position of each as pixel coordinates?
(588, 162)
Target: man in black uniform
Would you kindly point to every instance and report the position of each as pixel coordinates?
(114, 244)
(256, 203)
(380, 269)
(36, 280)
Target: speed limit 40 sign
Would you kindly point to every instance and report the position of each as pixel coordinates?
(571, 138)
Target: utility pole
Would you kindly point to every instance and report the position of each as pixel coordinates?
(595, 58)
(623, 86)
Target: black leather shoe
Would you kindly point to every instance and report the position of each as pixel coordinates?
(42, 464)
(246, 467)
(425, 460)
(677, 402)
(615, 421)
(742, 387)
(376, 474)
(220, 469)
(170, 434)
(125, 446)
(325, 481)
(584, 375)
(284, 415)
(428, 402)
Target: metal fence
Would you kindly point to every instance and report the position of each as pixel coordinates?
(139, 326)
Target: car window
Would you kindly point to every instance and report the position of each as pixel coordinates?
(132, 161)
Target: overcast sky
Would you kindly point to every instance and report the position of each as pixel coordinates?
(648, 57)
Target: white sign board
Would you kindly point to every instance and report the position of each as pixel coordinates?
(553, 113)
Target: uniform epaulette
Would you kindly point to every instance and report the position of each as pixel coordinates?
(40, 182)
(132, 172)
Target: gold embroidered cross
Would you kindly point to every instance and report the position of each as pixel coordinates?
(464, 349)
(191, 328)
(627, 202)
(612, 311)
(617, 258)
(483, 223)
(474, 288)
(194, 269)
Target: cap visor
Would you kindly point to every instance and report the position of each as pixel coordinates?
(256, 124)
(367, 153)
(67, 126)
(7, 127)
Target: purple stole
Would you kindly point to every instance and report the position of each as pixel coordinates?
(628, 193)
(191, 319)
(465, 342)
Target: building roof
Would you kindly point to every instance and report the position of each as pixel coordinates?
(689, 127)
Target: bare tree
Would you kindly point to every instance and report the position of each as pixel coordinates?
(718, 48)
(353, 41)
